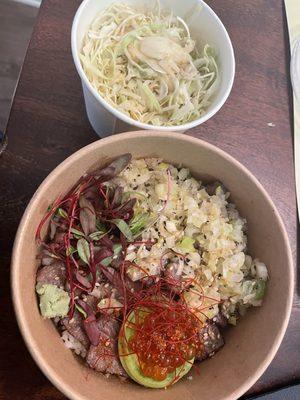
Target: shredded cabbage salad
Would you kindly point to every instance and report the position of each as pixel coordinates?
(145, 64)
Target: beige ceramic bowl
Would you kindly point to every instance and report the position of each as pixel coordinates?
(250, 346)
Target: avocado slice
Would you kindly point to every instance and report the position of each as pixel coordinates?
(131, 365)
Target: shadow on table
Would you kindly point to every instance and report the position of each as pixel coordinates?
(287, 393)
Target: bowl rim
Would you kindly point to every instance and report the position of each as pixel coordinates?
(125, 118)
(49, 372)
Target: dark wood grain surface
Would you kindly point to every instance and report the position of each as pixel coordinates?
(48, 122)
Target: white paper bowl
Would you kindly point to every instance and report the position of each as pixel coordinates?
(205, 27)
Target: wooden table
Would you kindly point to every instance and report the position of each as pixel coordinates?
(48, 123)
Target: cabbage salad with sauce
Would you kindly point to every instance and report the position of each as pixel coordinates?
(145, 64)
